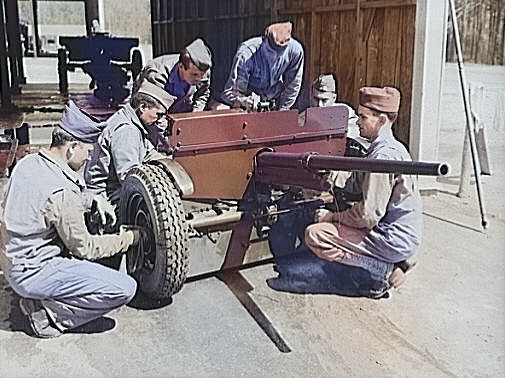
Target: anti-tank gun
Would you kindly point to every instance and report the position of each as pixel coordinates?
(229, 174)
(279, 178)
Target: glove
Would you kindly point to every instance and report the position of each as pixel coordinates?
(142, 236)
(323, 215)
(104, 208)
(144, 243)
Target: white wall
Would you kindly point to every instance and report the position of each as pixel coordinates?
(429, 61)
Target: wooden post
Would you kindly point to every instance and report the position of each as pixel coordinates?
(14, 42)
(4, 67)
(36, 36)
(90, 13)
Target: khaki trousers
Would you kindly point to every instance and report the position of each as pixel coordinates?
(343, 244)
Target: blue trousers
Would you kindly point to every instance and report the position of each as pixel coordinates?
(73, 291)
(301, 271)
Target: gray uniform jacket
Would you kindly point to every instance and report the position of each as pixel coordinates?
(43, 216)
(122, 145)
(158, 71)
(391, 207)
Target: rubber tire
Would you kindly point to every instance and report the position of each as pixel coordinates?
(149, 198)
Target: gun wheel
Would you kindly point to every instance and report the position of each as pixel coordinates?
(150, 199)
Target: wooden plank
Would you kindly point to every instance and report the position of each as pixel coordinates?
(362, 42)
(406, 65)
(349, 6)
(360, 70)
(371, 43)
(389, 49)
(348, 52)
(314, 59)
(388, 3)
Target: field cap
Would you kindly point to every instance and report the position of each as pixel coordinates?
(279, 33)
(158, 93)
(200, 54)
(82, 126)
(385, 99)
(324, 86)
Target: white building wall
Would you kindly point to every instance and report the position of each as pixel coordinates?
(429, 61)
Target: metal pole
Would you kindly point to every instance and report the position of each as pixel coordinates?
(101, 15)
(469, 119)
(5, 95)
(91, 12)
(14, 42)
(36, 37)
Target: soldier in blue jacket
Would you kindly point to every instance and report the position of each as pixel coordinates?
(266, 69)
(186, 77)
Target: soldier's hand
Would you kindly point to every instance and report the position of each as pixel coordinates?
(323, 215)
(244, 102)
(249, 103)
(104, 209)
(141, 236)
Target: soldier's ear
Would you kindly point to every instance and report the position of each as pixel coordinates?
(383, 118)
(70, 151)
(72, 146)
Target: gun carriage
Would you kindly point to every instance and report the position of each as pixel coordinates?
(229, 172)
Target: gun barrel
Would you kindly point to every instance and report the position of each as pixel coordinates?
(315, 161)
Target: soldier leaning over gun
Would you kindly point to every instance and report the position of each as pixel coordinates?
(186, 76)
(268, 68)
(124, 142)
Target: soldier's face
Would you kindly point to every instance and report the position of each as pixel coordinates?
(322, 101)
(192, 75)
(78, 153)
(369, 122)
(149, 115)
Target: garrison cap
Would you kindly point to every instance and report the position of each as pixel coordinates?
(200, 54)
(82, 126)
(385, 99)
(324, 86)
(279, 33)
(156, 92)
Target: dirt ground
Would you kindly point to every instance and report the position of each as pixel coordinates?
(445, 321)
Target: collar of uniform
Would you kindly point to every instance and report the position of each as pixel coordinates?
(270, 52)
(175, 85)
(130, 114)
(72, 175)
(385, 133)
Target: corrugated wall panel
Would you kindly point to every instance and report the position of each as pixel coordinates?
(362, 42)
(222, 24)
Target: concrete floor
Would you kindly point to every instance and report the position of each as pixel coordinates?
(445, 321)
